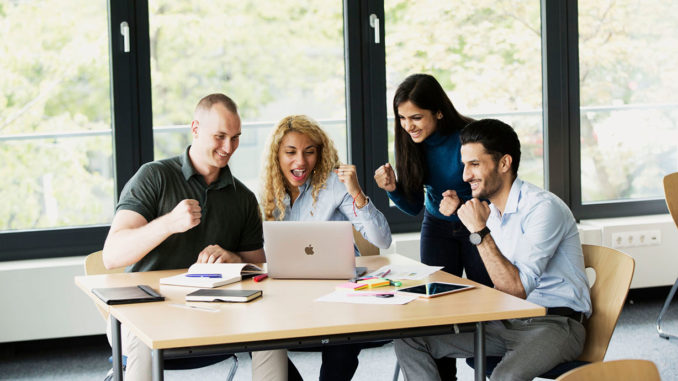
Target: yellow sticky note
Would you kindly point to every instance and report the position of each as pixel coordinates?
(375, 282)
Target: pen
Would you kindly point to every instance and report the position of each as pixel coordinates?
(354, 280)
(386, 273)
(203, 275)
(190, 307)
(260, 277)
(377, 294)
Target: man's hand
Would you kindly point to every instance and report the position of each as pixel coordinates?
(385, 178)
(215, 254)
(449, 203)
(473, 214)
(184, 216)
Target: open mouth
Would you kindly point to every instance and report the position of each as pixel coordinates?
(298, 174)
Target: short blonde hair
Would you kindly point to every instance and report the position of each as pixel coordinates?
(210, 100)
(274, 185)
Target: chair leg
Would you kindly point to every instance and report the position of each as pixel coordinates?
(234, 368)
(396, 374)
(669, 298)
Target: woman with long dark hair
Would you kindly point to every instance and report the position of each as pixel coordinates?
(428, 163)
(429, 169)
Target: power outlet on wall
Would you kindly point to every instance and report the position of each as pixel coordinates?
(636, 238)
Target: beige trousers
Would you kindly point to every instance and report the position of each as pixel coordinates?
(138, 355)
(269, 365)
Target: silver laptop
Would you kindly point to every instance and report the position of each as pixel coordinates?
(309, 249)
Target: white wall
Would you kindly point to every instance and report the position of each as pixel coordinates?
(656, 264)
(40, 299)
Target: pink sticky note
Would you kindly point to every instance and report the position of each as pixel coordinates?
(352, 286)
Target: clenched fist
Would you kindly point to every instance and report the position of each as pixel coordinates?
(184, 216)
(449, 203)
(385, 178)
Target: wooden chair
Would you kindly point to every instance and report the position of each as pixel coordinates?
(671, 195)
(94, 265)
(619, 370)
(614, 271)
(364, 246)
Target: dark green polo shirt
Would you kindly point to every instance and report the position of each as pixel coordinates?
(230, 213)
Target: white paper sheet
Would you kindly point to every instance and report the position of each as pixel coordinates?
(416, 272)
(366, 297)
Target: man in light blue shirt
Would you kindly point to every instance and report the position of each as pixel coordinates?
(528, 241)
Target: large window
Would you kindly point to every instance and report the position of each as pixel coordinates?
(274, 58)
(629, 98)
(55, 122)
(92, 89)
(485, 54)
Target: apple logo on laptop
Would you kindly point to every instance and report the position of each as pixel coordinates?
(309, 250)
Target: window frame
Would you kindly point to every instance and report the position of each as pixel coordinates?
(131, 137)
(366, 107)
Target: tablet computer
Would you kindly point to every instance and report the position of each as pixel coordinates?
(433, 289)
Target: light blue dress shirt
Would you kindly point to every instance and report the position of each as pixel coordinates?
(538, 234)
(335, 204)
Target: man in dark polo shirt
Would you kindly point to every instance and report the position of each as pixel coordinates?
(186, 209)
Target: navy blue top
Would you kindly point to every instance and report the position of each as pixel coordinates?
(443, 171)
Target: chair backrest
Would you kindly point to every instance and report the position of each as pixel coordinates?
(94, 265)
(614, 271)
(365, 247)
(671, 195)
(619, 370)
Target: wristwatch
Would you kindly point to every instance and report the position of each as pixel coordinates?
(477, 237)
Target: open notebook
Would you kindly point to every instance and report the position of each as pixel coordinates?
(209, 275)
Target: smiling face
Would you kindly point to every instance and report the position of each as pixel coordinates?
(297, 156)
(417, 122)
(482, 172)
(216, 136)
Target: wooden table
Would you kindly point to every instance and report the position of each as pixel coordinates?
(287, 316)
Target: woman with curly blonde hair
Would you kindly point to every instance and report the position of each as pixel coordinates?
(303, 180)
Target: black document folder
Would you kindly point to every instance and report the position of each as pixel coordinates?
(126, 295)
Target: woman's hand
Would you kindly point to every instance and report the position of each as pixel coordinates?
(449, 203)
(347, 175)
(385, 178)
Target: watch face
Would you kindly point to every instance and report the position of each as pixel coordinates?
(475, 238)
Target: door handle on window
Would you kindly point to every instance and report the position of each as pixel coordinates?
(124, 31)
(374, 23)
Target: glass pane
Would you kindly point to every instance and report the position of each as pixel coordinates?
(55, 122)
(274, 58)
(486, 55)
(629, 98)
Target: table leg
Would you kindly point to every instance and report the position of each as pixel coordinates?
(116, 347)
(480, 352)
(158, 365)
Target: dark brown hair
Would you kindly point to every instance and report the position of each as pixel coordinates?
(425, 92)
